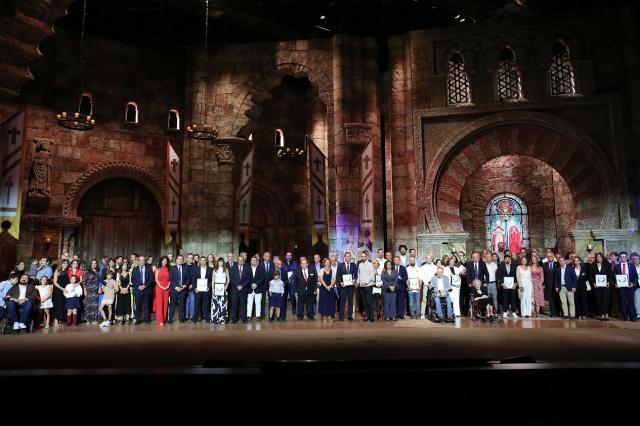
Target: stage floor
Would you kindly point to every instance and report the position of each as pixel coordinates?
(179, 345)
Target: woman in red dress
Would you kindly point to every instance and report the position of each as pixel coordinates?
(75, 270)
(537, 277)
(161, 299)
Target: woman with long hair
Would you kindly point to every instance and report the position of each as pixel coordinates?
(523, 276)
(600, 275)
(91, 286)
(161, 298)
(582, 310)
(60, 281)
(452, 270)
(327, 300)
(123, 295)
(219, 301)
(537, 277)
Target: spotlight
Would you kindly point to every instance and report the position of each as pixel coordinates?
(322, 17)
(457, 17)
(462, 19)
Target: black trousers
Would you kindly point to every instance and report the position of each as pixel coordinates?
(178, 299)
(306, 301)
(202, 306)
(603, 300)
(345, 294)
(582, 309)
(238, 305)
(553, 297)
(283, 306)
(143, 304)
(509, 300)
(366, 296)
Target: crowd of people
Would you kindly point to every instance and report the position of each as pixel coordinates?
(488, 286)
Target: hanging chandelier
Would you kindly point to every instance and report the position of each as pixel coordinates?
(79, 120)
(289, 153)
(204, 131)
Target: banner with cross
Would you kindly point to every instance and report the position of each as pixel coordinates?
(172, 198)
(367, 197)
(12, 139)
(246, 192)
(317, 193)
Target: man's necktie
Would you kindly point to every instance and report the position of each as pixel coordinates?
(241, 272)
(305, 275)
(624, 269)
(180, 272)
(475, 267)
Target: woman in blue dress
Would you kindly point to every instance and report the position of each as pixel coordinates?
(327, 303)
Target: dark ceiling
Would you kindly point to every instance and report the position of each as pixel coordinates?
(180, 23)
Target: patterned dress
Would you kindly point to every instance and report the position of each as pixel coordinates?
(91, 284)
(219, 304)
(537, 277)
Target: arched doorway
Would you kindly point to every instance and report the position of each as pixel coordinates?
(119, 217)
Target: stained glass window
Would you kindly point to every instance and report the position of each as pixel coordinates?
(457, 81)
(509, 86)
(507, 221)
(561, 71)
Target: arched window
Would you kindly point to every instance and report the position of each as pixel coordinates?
(561, 73)
(278, 136)
(173, 122)
(457, 81)
(131, 113)
(507, 221)
(85, 106)
(509, 85)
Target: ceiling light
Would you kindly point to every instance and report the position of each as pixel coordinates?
(462, 19)
(457, 17)
(322, 17)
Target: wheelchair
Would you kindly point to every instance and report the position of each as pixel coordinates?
(7, 326)
(432, 311)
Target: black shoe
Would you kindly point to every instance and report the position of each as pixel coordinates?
(350, 319)
(234, 321)
(372, 320)
(170, 322)
(258, 319)
(244, 321)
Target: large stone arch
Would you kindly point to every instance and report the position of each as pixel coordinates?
(120, 169)
(533, 134)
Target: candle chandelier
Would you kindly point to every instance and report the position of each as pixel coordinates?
(292, 153)
(204, 131)
(80, 120)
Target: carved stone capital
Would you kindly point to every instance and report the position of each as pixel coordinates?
(358, 133)
(224, 154)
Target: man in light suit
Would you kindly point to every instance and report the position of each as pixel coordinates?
(346, 291)
(240, 278)
(142, 279)
(627, 306)
(178, 289)
(306, 288)
(441, 288)
(566, 285)
(202, 298)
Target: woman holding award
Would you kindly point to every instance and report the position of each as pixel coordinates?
(600, 276)
(451, 271)
(377, 288)
(219, 300)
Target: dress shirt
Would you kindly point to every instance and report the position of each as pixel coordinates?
(440, 285)
(365, 273)
(4, 289)
(266, 266)
(203, 272)
(23, 291)
(413, 273)
(492, 267)
(562, 269)
(427, 271)
(276, 286)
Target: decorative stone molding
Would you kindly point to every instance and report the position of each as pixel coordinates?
(118, 169)
(435, 243)
(612, 234)
(358, 133)
(35, 219)
(224, 154)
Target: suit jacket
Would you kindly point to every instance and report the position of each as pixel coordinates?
(403, 277)
(237, 280)
(137, 279)
(483, 272)
(175, 279)
(195, 276)
(268, 276)
(310, 286)
(605, 270)
(502, 272)
(343, 270)
(549, 275)
(570, 279)
(631, 270)
(286, 268)
(445, 282)
(192, 273)
(14, 292)
(258, 279)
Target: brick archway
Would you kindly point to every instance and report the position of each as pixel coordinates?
(105, 171)
(536, 135)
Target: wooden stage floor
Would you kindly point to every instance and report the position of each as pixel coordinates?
(185, 345)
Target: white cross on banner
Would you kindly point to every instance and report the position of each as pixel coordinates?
(172, 200)
(246, 191)
(12, 140)
(367, 196)
(318, 200)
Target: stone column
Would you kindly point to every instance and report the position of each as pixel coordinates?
(614, 239)
(580, 239)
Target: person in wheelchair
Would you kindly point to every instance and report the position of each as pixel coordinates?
(21, 298)
(482, 303)
(5, 286)
(440, 289)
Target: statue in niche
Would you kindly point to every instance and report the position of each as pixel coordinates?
(40, 175)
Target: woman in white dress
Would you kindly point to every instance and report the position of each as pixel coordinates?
(523, 275)
(452, 270)
(219, 301)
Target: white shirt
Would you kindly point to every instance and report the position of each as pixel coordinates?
(404, 260)
(203, 272)
(23, 291)
(427, 271)
(492, 267)
(562, 269)
(413, 274)
(440, 285)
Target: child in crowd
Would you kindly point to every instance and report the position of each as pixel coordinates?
(108, 297)
(72, 293)
(276, 289)
(45, 290)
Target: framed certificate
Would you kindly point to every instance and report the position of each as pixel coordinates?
(414, 284)
(508, 282)
(218, 290)
(455, 280)
(201, 284)
(377, 280)
(601, 280)
(377, 290)
(622, 281)
(347, 279)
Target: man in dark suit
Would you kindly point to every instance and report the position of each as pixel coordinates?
(178, 289)
(566, 284)
(345, 292)
(476, 269)
(306, 288)
(255, 291)
(267, 269)
(508, 270)
(142, 279)
(202, 306)
(551, 295)
(626, 294)
(401, 291)
(240, 278)
(289, 267)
